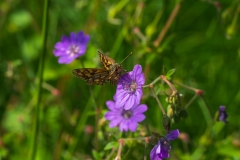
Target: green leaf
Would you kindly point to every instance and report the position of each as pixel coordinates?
(111, 145)
(97, 155)
(170, 73)
(165, 120)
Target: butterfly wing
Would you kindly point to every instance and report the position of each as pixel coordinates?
(107, 62)
(93, 76)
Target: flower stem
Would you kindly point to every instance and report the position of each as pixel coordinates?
(198, 92)
(40, 77)
(153, 82)
(185, 86)
(190, 102)
(145, 151)
(159, 103)
(118, 157)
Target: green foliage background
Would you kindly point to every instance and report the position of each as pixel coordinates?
(202, 44)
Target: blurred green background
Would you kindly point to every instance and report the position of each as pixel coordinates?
(201, 43)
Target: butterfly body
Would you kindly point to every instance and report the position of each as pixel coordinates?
(111, 72)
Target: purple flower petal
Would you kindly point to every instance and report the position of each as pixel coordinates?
(140, 79)
(153, 155)
(111, 115)
(111, 105)
(125, 78)
(137, 70)
(123, 126)
(132, 126)
(61, 46)
(130, 102)
(73, 37)
(80, 38)
(138, 95)
(173, 134)
(81, 50)
(140, 109)
(121, 99)
(138, 118)
(222, 114)
(65, 59)
(163, 153)
(115, 123)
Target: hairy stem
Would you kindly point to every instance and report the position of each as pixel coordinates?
(159, 103)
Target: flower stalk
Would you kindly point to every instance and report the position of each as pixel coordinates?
(155, 96)
(198, 92)
(118, 157)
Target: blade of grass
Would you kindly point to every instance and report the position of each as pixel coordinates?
(40, 80)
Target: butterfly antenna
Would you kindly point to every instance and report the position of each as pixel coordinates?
(125, 58)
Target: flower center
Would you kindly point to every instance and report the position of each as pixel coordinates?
(127, 114)
(73, 50)
(132, 87)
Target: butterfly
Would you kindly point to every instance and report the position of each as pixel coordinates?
(111, 72)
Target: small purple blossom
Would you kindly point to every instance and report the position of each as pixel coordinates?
(125, 119)
(161, 150)
(70, 48)
(222, 114)
(129, 88)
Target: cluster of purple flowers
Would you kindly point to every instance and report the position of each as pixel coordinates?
(126, 110)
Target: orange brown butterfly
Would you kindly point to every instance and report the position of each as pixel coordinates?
(111, 72)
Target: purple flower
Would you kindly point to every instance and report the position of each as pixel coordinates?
(161, 149)
(129, 88)
(71, 48)
(125, 119)
(222, 114)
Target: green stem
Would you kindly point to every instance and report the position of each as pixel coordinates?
(40, 77)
